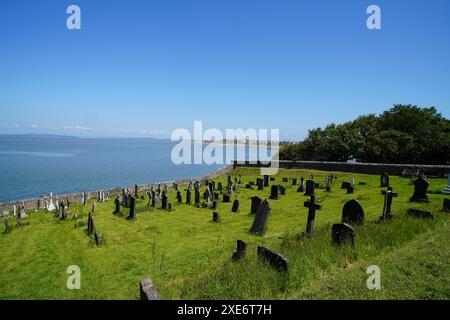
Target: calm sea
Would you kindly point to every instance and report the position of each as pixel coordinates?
(33, 166)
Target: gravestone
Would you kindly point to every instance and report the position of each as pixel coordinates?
(446, 205)
(387, 205)
(260, 183)
(275, 259)
(215, 205)
(94, 206)
(312, 207)
(256, 201)
(241, 248)
(352, 213)
(341, 233)
(164, 201)
(384, 180)
(216, 217)
(197, 197)
(274, 192)
(6, 225)
(349, 189)
(169, 206)
(90, 224)
(420, 190)
(301, 187)
(148, 291)
(282, 189)
(420, 214)
(328, 184)
(97, 238)
(62, 213)
(188, 196)
(219, 186)
(345, 185)
(157, 201)
(226, 198)
(230, 181)
(215, 196)
(309, 190)
(117, 203)
(132, 214)
(294, 182)
(179, 197)
(235, 206)
(206, 194)
(136, 191)
(285, 179)
(266, 181)
(261, 218)
(272, 178)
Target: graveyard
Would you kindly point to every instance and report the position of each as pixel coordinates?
(310, 238)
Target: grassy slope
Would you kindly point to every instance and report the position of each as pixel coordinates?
(187, 255)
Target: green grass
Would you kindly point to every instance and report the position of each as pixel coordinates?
(187, 255)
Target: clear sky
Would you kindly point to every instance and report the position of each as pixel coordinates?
(145, 68)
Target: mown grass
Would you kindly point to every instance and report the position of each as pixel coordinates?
(187, 255)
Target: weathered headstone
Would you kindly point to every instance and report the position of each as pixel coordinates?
(226, 198)
(309, 190)
(345, 185)
(261, 218)
(235, 207)
(260, 183)
(90, 224)
(148, 291)
(62, 213)
(274, 192)
(197, 197)
(420, 190)
(285, 179)
(294, 181)
(164, 201)
(256, 201)
(219, 186)
(216, 217)
(328, 184)
(384, 180)
(132, 214)
(117, 203)
(266, 181)
(342, 232)
(387, 205)
(350, 189)
(6, 225)
(282, 189)
(179, 197)
(188, 196)
(97, 238)
(301, 187)
(215, 205)
(352, 213)
(241, 248)
(420, 213)
(275, 259)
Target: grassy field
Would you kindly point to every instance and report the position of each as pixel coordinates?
(187, 255)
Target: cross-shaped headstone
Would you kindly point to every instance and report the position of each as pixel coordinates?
(387, 207)
(312, 206)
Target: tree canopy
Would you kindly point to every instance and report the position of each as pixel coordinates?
(402, 134)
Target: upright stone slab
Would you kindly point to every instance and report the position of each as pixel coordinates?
(117, 203)
(285, 179)
(148, 291)
(197, 197)
(241, 248)
(384, 180)
(350, 189)
(164, 201)
(261, 218)
(188, 196)
(342, 233)
(256, 201)
(274, 192)
(90, 224)
(446, 205)
(309, 188)
(216, 217)
(352, 213)
(420, 190)
(226, 198)
(275, 259)
(179, 197)
(235, 207)
(260, 183)
(132, 214)
(266, 180)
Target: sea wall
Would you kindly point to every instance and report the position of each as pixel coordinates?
(39, 203)
(367, 168)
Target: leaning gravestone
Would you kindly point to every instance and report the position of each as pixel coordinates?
(301, 187)
(384, 180)
(309, 188)
(353, 213)
(276, 260)
(235, 207)
(148, 291)
(420, 190)
(274, 192)
(342, 232)
(261, 218)
(241, 248)
(256, 201)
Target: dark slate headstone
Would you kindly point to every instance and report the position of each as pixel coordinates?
(345, 185)
(352, 213)
(420, 190)
(349, 189)
(164, 202)
(226, 198)
(188, 196)
(136, 190)
(241, 248)
(248, 186)
(216, 217)
(235, 207)
(274, 192)
(260, 183)
(212, 186)
(342, 232)
(261, 218)
(420, 213)
(148, 290)
(276, 260)
(282, 189)
(132, 214)
(179, 197)
(446, 205)
(90, 224)
(117, 203)
(309, 188)
(294, 182)
(97, 238)
(197, 197)
(169, 206)
(389, 194)
(312, 207)
(285, 179)
(256, 201)
(62, 213)
(384, 180)
(215, 205)
(219, 186)
(229, 180)
(266, 180)
(272, 178)
(215, 196)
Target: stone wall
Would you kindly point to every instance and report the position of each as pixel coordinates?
(367, 168)
(33, 204)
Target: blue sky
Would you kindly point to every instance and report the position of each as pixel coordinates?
(145, 68)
